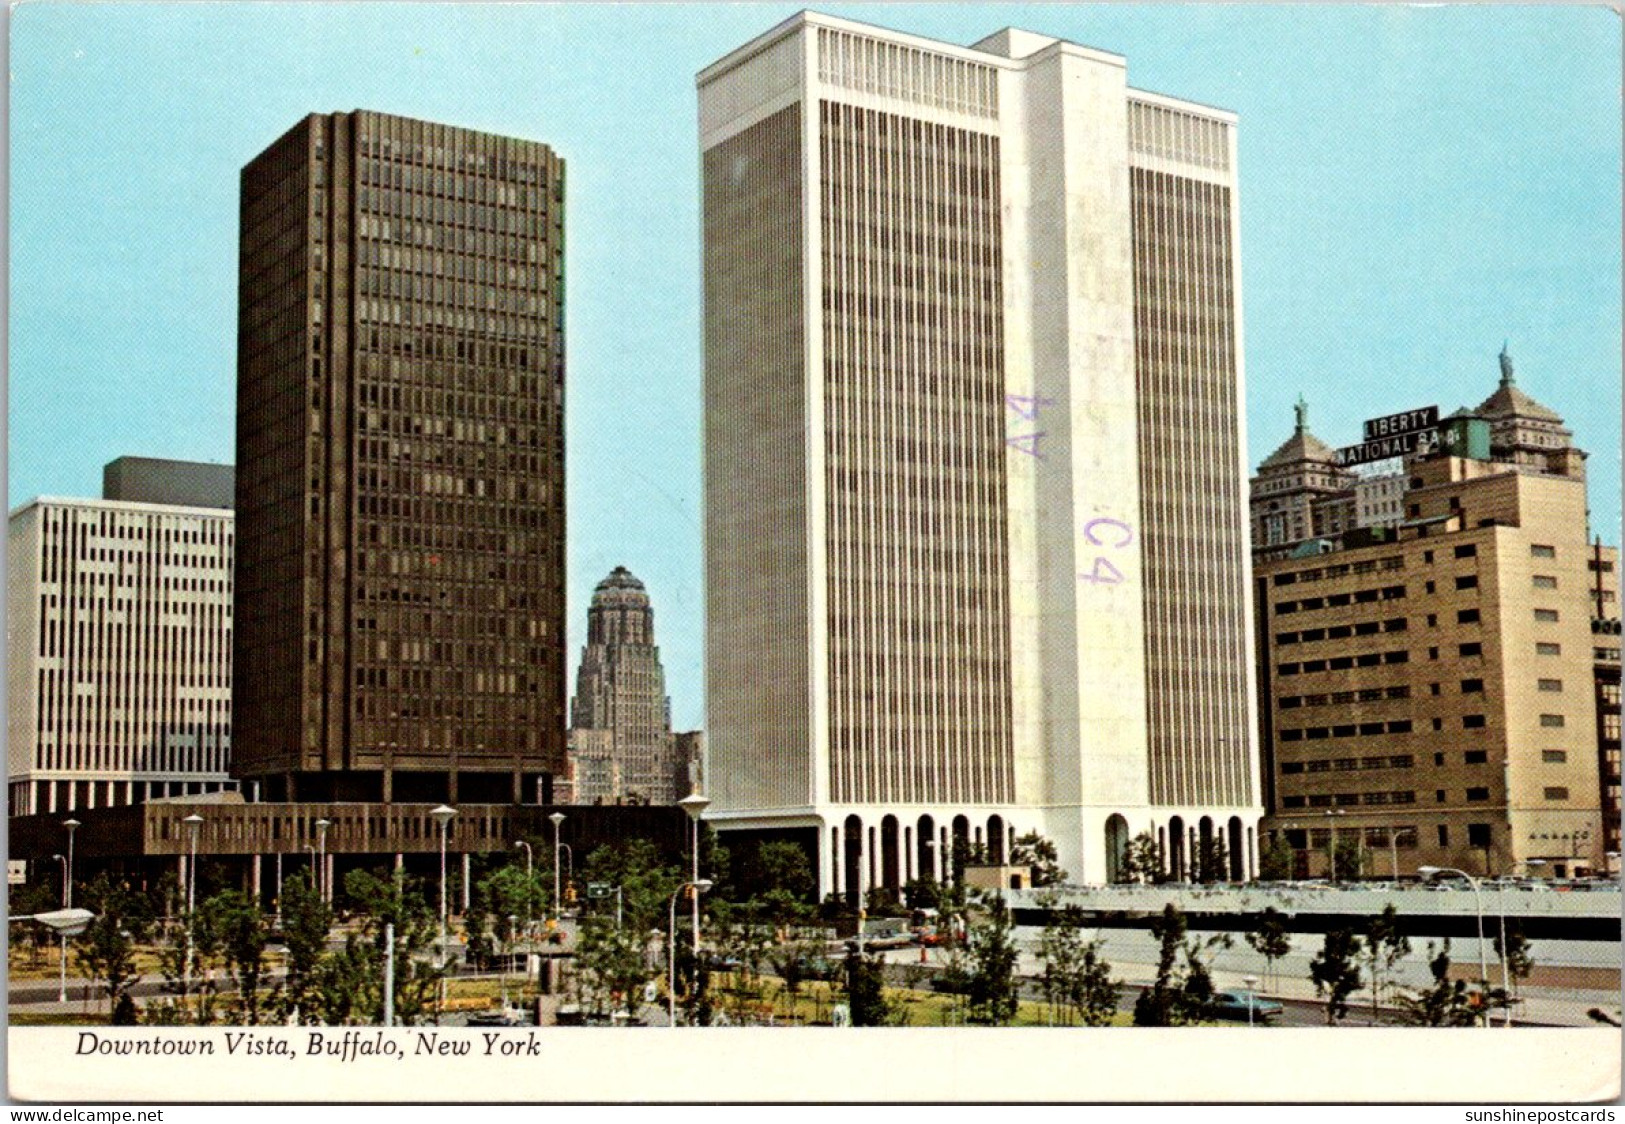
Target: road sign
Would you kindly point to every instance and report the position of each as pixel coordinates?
(597, 890)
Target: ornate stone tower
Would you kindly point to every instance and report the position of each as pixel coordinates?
(620, 736)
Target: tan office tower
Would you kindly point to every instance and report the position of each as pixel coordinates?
(400, 486)
(1442, 689)
(975, 534)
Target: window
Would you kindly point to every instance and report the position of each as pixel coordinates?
(1477, 795)
(1475, 757)
(1438, 723)
(1548, 649)
(1554, 756)
(1472, 721)
(1548, 615)
(1433, 688)
(1536, 551)
(1292, 802)
(1467, 616)
(1551, 684)
(1467, 581)
(1552, 720)
(1433, 653)
(1478, 835)
(1291, 768)
(1556, 792)
(1545, 581)
(1444, 832)
(1468, 551)
(1472, 686)
(1473, 649)
(1438, 759)
(1430, 587)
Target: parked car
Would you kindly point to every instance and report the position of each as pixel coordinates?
(1235, 1004)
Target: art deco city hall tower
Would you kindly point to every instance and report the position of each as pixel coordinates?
(400, 490)
(976, 538)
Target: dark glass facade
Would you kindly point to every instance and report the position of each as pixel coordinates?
(400, 493)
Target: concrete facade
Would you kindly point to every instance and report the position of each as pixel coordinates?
(960, 455)
(119, 628)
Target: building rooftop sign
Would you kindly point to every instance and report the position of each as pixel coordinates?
(1394, 435)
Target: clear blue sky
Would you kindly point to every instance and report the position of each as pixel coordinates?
(1418, 184)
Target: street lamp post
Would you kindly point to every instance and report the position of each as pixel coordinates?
(695, 805)
(323, 883)
(192, 822)
(71, 825)
(443, 816)
(63, 958)
(556, 819)
(699, 886)
(1252, 995)
(1428, 872)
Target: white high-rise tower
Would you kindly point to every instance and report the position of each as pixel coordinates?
(976, 539)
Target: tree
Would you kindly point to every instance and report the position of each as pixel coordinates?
(866, 997)
(1446, 1003)
(1142, 860)
(922, 893)
(1035, 851)
(646, 883)
(243, 931)
(349, 983)
(1348, 859)
(106, 948)
(1335, 974)
(1385, 947)
(1076, 977)
(611, 967)
(1278, 861)
(306, 922)
(1269, 938)
(1156, 1005)
(991, 951)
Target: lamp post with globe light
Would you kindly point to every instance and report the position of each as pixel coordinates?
(443, 815)
(71, 825)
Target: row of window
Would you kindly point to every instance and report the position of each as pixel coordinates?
(1344, 663)
(1395, 562)
(1337, 600)
(1348, 764)
(1370, 694)
(1343, 631)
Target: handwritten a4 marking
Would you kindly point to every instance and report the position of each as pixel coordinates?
(1026, 407)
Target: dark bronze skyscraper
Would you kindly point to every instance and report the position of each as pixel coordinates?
(400, 434)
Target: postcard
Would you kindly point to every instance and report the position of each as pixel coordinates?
(931, 553)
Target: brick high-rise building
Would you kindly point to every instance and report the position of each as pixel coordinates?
(400, 488)
(976, 552)
(1435, 685)
(621, 741)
